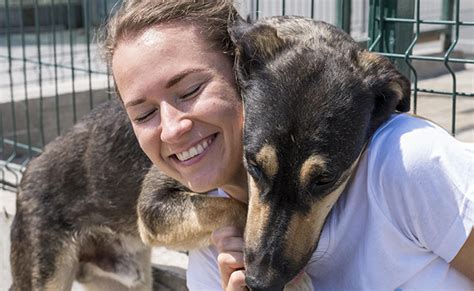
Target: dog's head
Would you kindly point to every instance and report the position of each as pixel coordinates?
(312, 99)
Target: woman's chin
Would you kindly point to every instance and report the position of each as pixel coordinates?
(198, 186)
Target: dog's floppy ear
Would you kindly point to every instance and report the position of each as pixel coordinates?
(391, 88)
(255, 44)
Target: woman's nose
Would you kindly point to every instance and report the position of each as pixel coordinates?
(174, 123)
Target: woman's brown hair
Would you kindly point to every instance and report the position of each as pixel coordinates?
(133, 16)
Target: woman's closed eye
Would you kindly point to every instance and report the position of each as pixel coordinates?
(192, 91)
(145, 116)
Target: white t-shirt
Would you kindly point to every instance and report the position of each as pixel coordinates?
(403, 218)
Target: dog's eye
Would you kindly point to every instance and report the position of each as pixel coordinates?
(325, 179)
(254, 170)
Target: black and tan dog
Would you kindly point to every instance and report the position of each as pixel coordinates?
(312, 99)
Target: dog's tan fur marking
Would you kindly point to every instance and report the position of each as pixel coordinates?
(258, 215)
(313, 163)
(304, 230)
(368, 59)
(194, 230)
(397, 89)
(268, 159)
(302, 225)
(267, 42)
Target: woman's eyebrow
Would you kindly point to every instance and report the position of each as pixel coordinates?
(134, 102)
(181, 75)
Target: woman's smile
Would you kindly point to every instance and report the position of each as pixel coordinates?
(195, 153)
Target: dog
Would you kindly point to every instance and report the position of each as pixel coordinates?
(312, 100)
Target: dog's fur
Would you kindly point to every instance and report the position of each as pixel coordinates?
(76, 214)
(312, 99)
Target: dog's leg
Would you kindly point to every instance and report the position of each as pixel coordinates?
(115, 262)
(55, 262)
(42, 258)
(20, 255)
(172, 216)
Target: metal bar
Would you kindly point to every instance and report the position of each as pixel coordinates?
(376, 20)
(109, 87)
(71, 47)
(343, 12)
(12, 103)
(16, 144)
(283, 7)
(425, 58)
(257, 9)
(446, 64)
(40, 74)
(408, 52)
(440, 22)
(55, 64)
(25, 79)
(398, 37)
(10, 74)
(87, 20)
(464, 94)
(312, 8)
(448, 6)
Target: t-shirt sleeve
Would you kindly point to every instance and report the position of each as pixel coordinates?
(203, 271)
(424, 177)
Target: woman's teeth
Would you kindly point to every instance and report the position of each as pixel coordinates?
(193, 151)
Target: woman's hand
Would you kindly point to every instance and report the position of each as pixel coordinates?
(230, 243)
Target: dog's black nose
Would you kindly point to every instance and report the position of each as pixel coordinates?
(255, 284)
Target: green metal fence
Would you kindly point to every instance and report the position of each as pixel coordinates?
(52, 73)
(395, 30)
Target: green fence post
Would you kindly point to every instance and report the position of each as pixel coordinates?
(375, 20)
(448, 11)
(391, 36)
(343, 14)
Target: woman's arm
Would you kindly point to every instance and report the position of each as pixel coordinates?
(464, 260)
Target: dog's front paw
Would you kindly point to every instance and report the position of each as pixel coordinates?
(146, 234)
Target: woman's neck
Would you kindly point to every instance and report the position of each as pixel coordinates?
(238, 189)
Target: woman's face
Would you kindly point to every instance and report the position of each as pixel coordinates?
(182, 100)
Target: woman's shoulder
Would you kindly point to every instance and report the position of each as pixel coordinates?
(421, 178)
(414, 142)
(409, 130)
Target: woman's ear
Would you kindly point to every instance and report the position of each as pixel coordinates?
(390, 87)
